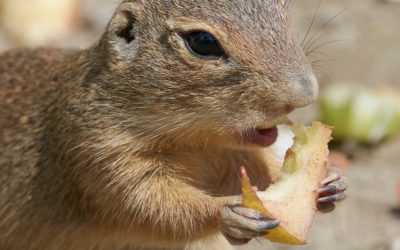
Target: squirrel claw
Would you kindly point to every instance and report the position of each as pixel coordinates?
(333, 190)
(250, 213)
(333, 198)
(240, 224)
(334, 175)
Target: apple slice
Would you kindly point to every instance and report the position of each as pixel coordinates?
(292, 199)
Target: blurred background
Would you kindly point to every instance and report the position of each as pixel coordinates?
(355, 49)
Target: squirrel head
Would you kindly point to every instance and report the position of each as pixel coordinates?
(189, 70)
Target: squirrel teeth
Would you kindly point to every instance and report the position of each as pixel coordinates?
(284, 120)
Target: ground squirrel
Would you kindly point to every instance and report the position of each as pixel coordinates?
(138, 140)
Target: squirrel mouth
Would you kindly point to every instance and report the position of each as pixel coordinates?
(261, 136)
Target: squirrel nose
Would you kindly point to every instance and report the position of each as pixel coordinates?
(305, 90)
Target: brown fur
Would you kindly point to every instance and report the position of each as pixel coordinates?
(138, 144)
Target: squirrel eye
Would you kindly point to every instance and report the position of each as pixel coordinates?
(204, 44)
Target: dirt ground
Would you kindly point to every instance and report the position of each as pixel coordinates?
(367, 51)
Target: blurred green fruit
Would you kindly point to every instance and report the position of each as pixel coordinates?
(366, 115)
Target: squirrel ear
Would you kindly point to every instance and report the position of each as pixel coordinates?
(123, 30)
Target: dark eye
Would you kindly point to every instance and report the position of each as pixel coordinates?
(204, 44)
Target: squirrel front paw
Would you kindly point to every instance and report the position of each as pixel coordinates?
(239, 224)
(334, 190)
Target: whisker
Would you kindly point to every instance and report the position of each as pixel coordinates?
(323, 70)
(312, 42)
(323, 26)
(325, 44)
(312, 22)
(316, 61)
(288, 4)
(319, 53)
(326, 60)
(331, 20)
(315, 38)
